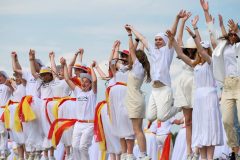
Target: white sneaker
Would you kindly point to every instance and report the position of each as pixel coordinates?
(131, 157)
(195, 156)
(145, 158)
(123, 156)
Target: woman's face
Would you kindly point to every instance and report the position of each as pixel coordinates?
(125, 59)
(86, 84)
(233, 37)
(46, 77)
(18, 79)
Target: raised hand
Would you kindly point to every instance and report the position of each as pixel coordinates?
(195, 21)
(233, 26)
(128, 28)
(94, 64)
(181, 14)
(170, 35)
(220, 20)
(186, 16)
(204, 5)
(14, 54)
(190, 31)
(32, 54)
(51, 54)
(63, 61)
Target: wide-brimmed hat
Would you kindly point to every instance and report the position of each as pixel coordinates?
(190, 44)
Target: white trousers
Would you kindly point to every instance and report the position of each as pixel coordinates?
(3, 138)
(82, 140)
(160, 105)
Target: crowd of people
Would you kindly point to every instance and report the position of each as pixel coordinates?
(51, 112)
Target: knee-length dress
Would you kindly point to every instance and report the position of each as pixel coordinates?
(207, 126)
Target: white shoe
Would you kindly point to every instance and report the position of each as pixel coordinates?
(195, 156)
(131, 157)
(145, 158)
(69, 157)
(123, 156)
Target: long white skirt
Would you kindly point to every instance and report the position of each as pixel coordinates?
(180, 147)
(122, 125)
(207, 127)
(112, 141)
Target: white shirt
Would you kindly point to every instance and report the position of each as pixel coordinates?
(161, 60)
(5, 94)
(32, 86)
(231, 60)
(137, 69)
(46, 89)
(60, 88)
(165, 127)
(19, 92)
(85, 104)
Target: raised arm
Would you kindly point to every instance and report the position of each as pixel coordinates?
(181, 29)
(100, 72)
(178, 50)
(66, 75)
(32, 63)
(205, 8)
(132, 48)
(53, 64)
(72, 62)
(221, 24)
(94, 77)
(113, 63)
(15, 63)
(200, 49)
(194, 24)
(140, 37)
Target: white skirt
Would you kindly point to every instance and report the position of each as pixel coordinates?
(17, 137)
(112, 141)
(207, 127)
(183, 94)
(33, 131)
(180, 146)
(122, 125)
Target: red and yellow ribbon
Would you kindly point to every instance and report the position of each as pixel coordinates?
(6, 114)
(166, 151)
(77, 81)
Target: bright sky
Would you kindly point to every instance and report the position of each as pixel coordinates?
(66, 25)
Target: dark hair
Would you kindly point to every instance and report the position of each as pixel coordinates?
(142, 57)
(227, 38)
(192, 54)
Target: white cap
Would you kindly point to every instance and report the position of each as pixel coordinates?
(163, 36)
(4, 74)
(86, 75)
(205, 44)
(190, 43)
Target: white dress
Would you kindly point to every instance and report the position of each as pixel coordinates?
(183, 94)
(207, 125)
(121, 123)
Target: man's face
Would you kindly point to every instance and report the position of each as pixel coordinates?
(159, 42)
(46, 77)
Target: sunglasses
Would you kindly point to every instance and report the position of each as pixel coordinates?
(232, 34)
(158, 39)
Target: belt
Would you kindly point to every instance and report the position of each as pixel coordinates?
(85, 121)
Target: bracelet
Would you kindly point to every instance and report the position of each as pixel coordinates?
(194, 36)
(137, 40)
(195, 28)
(31, 59)
(130, 35)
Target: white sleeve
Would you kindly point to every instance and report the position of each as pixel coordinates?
(25, 74)
(150, 49)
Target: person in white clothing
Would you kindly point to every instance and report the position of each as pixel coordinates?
(84, 111)
(161, 55)
(207, 126)
(226, 70)
(135, 100)
(32, 129)
(5, 92)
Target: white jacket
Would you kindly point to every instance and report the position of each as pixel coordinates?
(217, 56)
